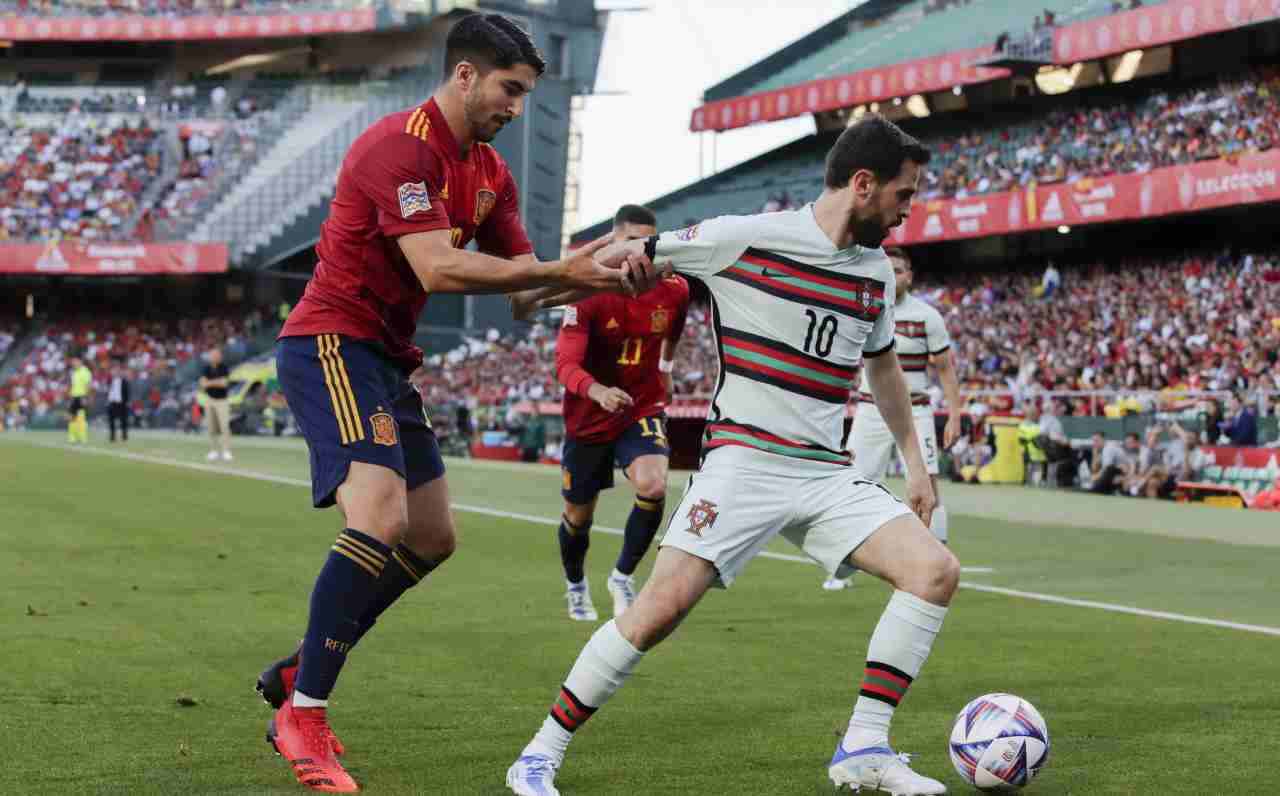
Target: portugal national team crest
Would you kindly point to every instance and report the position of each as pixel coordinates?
(384, 428)
(485, 200)
(687, 234)
(701, 515)
(659, 321)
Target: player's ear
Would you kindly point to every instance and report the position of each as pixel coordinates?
(864, 183)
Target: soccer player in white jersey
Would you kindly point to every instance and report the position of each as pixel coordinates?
(798, 299)
(920, 339)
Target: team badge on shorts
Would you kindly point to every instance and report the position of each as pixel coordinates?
(485, 200)
(384, 429)
(701, 515)
(566, 478)
(687, 234)
(413, 198)
(659, 321)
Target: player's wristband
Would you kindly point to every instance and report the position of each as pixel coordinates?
(651, 247)
(666, 365)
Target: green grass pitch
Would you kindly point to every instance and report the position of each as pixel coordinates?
(127, 583)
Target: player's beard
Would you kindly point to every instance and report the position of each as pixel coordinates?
(484, 126)
(868, 232)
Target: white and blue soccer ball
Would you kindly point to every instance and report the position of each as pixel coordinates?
(999, 742)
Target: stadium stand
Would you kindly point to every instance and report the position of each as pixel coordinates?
(170, 8)
(78, 176)
(914, 30)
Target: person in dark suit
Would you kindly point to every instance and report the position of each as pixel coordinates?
(118, 404)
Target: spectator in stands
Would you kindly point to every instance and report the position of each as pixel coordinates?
(1241, 426)
(1118, 464)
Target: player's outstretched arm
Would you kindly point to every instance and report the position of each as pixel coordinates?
(444, 269)
(893, 399)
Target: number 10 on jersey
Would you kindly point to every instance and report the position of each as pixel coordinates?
(826, 334)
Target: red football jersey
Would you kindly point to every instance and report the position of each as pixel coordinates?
(404, 174)
(616, 341)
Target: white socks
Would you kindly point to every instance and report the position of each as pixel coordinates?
(601, 669)
(899, 647)
(938, 523)
(301, 700)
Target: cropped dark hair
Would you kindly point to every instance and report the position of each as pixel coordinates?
(634, 214)
(898, 253)
(873, 143)
(490, 41)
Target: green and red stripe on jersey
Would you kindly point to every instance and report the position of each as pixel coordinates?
(913, 362)
(568, 710)
(885, 683)
(917, 398)
(913, 329)
(771, 362)
(723, 433)
(857, 296)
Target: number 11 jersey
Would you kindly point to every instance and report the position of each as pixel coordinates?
(793, 316)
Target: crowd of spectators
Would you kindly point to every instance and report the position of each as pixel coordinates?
(209, 157)
(79, 178)
(169, 8)
(150, 352)
(1206, 322)
(1226, 118)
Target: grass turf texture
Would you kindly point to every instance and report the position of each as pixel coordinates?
(149, 582)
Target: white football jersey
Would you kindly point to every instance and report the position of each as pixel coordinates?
(918, 331)
(793, 316)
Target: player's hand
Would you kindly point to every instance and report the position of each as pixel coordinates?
(952, 431)
(920, 496)
(611, 399)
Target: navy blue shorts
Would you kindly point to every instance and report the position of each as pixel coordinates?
(587, 467)
(354, 405)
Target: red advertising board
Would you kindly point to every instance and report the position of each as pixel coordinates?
(221, 26)
(937, 73)
(1153, 25)
(113, 259)
(1248, 469)
(1175, 189)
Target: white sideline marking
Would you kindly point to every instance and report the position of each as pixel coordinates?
(1026, 595)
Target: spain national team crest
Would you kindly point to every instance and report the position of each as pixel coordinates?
(485, 200)
(701, 515)
(659, 321)
(384, 428)
(566, 479)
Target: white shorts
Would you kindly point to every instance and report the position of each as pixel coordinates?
(872, 443)
(742, 498)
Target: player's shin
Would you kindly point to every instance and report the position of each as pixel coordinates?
(899, 647)
(602, 667)
(642, 526)
(344, 589)
(574, 541)
(404, 570)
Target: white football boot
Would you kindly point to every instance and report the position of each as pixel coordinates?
(837, 584)
(879, 768)
(581, 608)
(623, 591)
(533, 775)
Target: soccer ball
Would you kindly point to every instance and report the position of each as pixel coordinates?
(999, 742)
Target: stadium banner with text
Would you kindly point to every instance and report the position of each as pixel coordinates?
(1175, 189)
(113, 259)
(222, 26)
(1153, 25)
(936, 73)
(1248, 469)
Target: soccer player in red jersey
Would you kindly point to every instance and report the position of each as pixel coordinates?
(613, 357)
(413, 191)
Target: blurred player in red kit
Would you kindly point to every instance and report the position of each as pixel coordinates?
(614, 358)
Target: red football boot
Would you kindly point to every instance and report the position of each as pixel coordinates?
(302, 736)
(275, 684)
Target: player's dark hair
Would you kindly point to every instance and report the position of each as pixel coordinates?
(873, 143)
(490, 41)
(634, 214)
(898, 253)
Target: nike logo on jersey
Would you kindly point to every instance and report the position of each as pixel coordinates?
(612, 324)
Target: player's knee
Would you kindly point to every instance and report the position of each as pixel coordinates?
(652, 488)
(436, 543)
(579, 516)
(941, 577)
